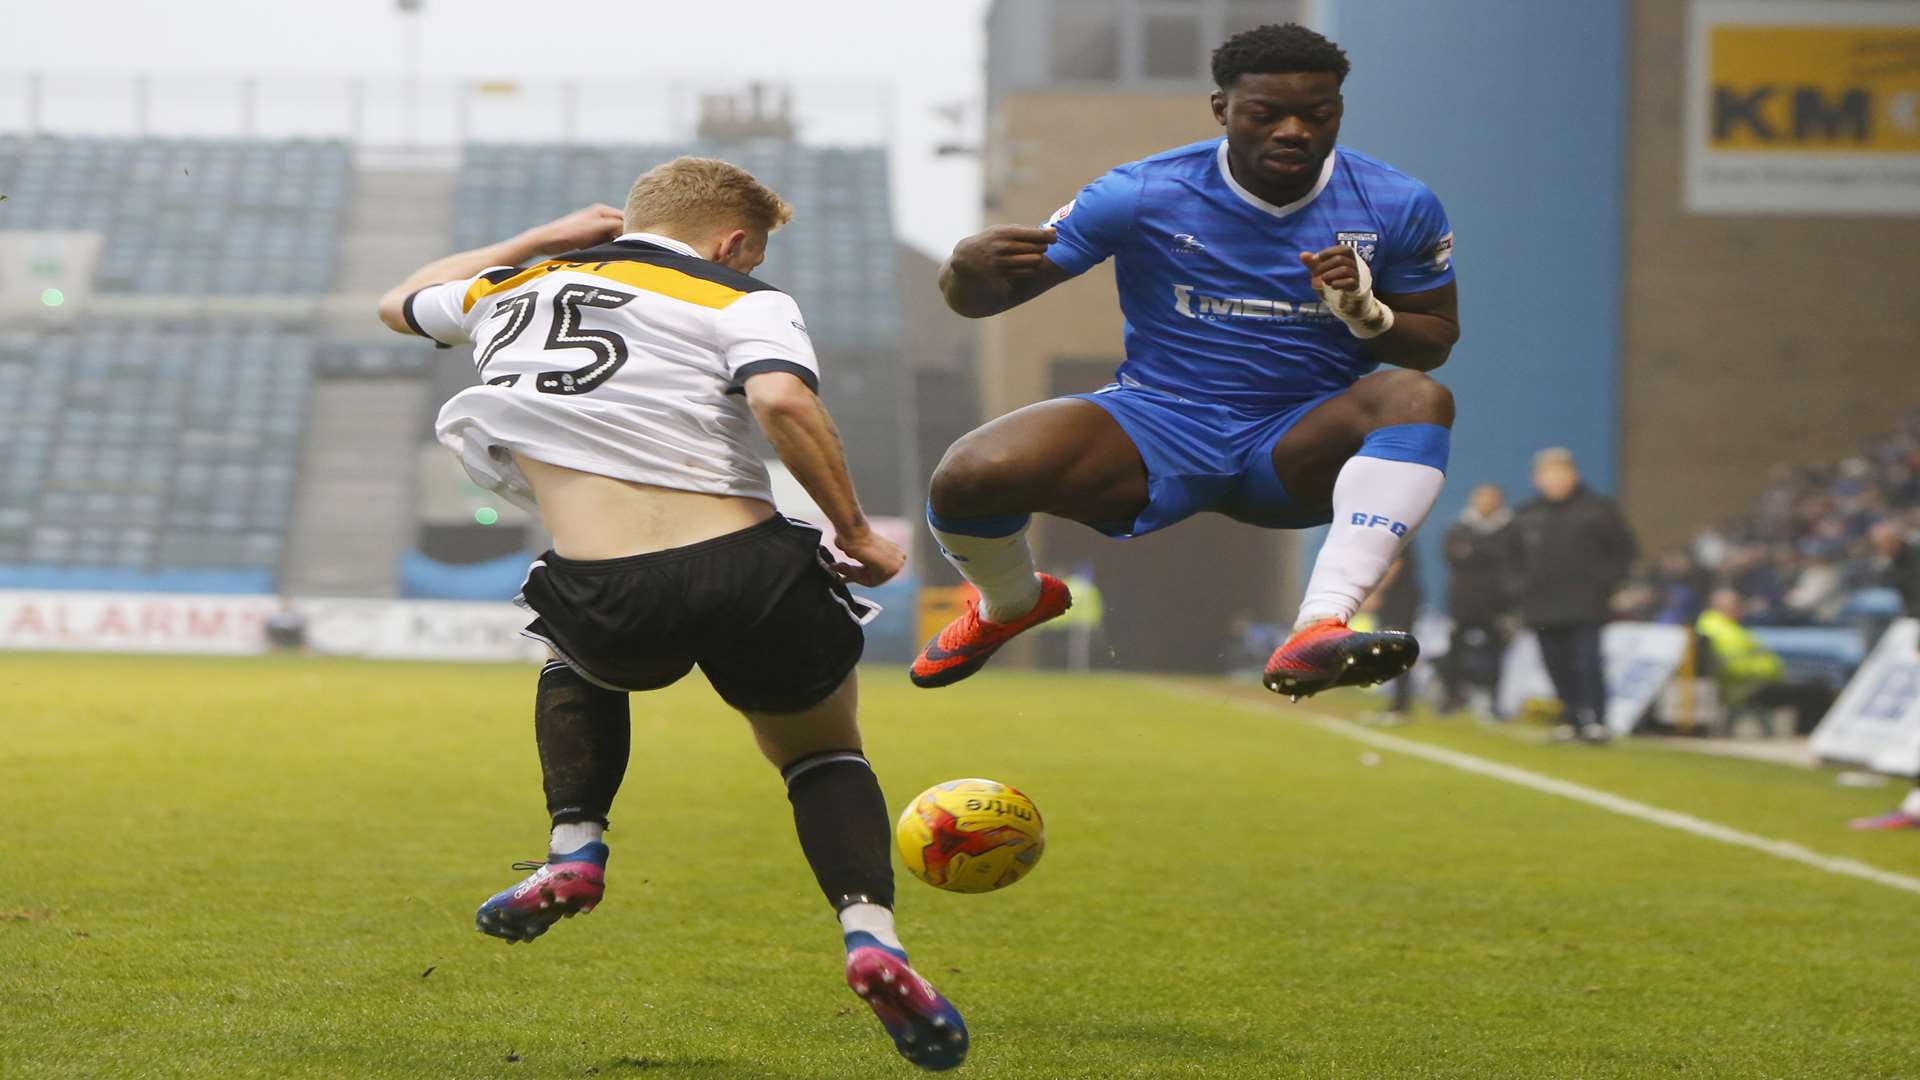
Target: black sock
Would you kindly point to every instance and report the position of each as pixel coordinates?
(584, 736)
(842, 821)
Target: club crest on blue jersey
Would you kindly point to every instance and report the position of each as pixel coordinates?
(1362, 243)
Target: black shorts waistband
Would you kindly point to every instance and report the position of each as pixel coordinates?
(773, 526)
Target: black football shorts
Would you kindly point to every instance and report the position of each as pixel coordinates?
(760, 611)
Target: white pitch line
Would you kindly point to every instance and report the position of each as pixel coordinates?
(1672, 819)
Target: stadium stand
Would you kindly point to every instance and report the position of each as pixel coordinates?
(340, 360)
(225, 217)
(149, 455)
(203, 425)
(159, 450)
(835, 258)
(1804, 556)
(1809, 562)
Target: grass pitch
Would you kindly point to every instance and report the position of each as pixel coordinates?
(269, 868)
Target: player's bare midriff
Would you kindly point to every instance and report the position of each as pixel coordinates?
(598, 517)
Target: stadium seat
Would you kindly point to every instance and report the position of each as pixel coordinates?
(842, 193)
(251, 217)
(148, 448)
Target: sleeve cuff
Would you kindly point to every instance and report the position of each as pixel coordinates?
(762, 367)
(1407, 288)
(413, 324)
(1067, 257)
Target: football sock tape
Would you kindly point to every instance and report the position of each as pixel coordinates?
(584, 735)
(841, 818)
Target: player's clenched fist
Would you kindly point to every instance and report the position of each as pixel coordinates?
(1345, 283)
(871, 560)
(1335, 268)
(1002, 251)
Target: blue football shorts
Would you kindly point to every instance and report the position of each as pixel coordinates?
(1203, 457)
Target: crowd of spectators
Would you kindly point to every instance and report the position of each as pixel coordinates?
(1825, 545)
(1817, 537)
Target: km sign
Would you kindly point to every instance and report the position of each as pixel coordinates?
(1799, 113)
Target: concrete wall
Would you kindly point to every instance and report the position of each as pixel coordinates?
(1750, 340)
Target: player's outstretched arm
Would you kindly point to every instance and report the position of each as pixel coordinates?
(803, 434)
(1409, 330)
(997, 269)
(582, 228)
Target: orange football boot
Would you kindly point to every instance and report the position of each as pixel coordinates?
(969, 641)
(1325, 654)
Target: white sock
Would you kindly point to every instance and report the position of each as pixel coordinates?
(1001, 567)
(873, 919)
(1376, 505)
(575, 835)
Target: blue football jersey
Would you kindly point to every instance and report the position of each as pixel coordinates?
(1218, 306)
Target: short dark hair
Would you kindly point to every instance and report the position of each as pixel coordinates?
(1277, 48)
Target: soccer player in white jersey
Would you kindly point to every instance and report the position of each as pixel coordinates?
(620, 384)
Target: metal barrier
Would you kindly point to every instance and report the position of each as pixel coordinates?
(399, 112)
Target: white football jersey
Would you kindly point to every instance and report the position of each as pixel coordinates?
(627, 360)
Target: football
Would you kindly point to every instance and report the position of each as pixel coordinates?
(971, 836)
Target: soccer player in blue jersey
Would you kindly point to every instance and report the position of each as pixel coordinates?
(1264, 277)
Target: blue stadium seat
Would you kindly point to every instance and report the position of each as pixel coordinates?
(835, 257)
(187, 216)
(147, 450)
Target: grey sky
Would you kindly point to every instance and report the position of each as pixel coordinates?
(877, 68)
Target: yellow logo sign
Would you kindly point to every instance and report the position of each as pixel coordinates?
(1822, 89)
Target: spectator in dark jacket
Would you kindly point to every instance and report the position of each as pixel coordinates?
(1480, 573)
(1573, 549)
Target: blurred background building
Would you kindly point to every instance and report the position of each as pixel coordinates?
(196, 397)
(1672, 261)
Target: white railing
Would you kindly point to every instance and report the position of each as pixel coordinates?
(399, 112)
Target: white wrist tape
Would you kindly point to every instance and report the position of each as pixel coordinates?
(1364, 314)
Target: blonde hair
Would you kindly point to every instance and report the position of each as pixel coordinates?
(704, 193)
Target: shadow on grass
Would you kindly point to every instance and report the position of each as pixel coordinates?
(649, 1063)
(1147, 1040)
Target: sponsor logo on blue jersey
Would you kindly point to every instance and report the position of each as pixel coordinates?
(1198, 305)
